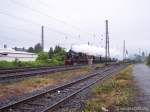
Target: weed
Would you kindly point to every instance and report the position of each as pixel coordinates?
(115, 91)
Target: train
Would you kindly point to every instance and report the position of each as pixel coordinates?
(74, 58)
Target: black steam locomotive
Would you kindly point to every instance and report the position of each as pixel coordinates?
(73, 58)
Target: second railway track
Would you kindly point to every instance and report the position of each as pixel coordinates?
(24, 69)
(49, 100)
(21, 74)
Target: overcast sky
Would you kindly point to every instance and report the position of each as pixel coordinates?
(75, 22)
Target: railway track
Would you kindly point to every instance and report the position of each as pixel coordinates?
(24, 69)
(19, 74)
(50, 100)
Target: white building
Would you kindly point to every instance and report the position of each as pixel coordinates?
(12, 55)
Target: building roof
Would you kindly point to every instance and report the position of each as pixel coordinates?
(11, 51)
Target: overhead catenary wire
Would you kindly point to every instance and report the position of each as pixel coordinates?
(48, 28)
(43, 3)
(19, 18)
(35, 23)
(44, 14)
(20, 29)
(85, 30)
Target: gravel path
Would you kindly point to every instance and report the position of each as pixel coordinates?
(142, 86)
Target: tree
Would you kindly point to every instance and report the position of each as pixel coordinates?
(51, 52)
(59, 55)
(148, 60)
(37, 48)
(30, 49)
(143, 54)
(15, 48)
(57, 49)
(43, 57)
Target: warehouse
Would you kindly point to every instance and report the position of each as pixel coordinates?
(12, 55)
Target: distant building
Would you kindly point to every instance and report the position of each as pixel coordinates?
(12, 55)
(19, 49)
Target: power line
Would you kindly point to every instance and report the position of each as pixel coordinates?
(81, 29)
(19, 18)
(19, 29)
(44, 14)
(41, 2)
(59, 32)
(32, 22)
(7, 36)
(35, 23)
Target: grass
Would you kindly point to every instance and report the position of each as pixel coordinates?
(13, 64)
(35, 83)
(114, 92)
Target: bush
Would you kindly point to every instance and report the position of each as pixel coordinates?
(42, 57)
(5, 64)
(58, 57)
(14, 64)
(148, 60)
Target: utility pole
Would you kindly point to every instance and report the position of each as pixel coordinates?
(124, 50)
(5, 46)
(108, 46)
(88, 43)
(140, 52)
(107, 54)
(42, 38)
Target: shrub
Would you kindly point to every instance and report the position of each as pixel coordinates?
(43, 57)
(6, 64)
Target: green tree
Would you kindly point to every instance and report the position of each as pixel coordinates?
(37, 48)
(31, 49)
(59, 55)
(51, 52)
(143, 54)
(148, 60)
(43, 57)
(57, 49)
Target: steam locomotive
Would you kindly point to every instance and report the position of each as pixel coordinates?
(73, 58)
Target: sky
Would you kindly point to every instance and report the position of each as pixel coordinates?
(75, 22)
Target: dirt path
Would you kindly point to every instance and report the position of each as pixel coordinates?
(142, 77)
